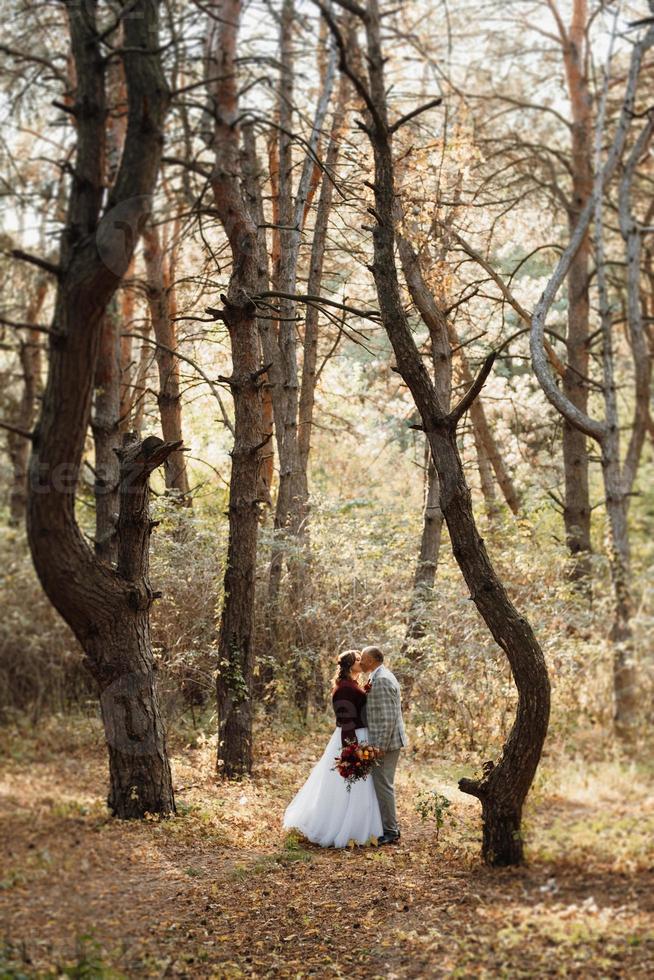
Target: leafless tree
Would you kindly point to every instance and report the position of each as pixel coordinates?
(619, 475)
(504, 786)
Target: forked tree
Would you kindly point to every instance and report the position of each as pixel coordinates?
(107, 607)
(503, 787)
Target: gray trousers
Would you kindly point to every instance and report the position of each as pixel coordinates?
(383, 777)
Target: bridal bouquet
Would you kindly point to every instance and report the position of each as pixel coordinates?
(356, 761)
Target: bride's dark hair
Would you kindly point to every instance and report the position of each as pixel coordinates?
(346, 661)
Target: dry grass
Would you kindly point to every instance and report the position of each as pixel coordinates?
(220, 891)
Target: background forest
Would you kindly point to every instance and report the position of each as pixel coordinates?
(322, 325)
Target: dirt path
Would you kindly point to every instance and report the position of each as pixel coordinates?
(220, 892)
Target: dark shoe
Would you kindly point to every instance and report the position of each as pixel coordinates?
(388, 839)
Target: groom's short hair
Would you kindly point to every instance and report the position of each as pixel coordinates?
(375, 653)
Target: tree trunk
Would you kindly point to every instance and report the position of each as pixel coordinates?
(311, 322)
(252, 189)
(141, 781)
(105, 426)
(236, 643)
(411, 653)
(127, 367)
(106, 608)
(425, 573)
(576, 512)
(284, 278)
(618, 481)
(141, 389)
(307, 673)
(625, 674)
(236, 638)
(18, 447)
(503, 787)
(161, 302)
(484, 439)
(486, 480)
(292, 212)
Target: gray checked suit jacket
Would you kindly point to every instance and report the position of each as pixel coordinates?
(384, 712)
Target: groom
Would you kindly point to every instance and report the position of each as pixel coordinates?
(386, 732)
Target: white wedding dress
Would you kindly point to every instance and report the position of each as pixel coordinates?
(325, 812)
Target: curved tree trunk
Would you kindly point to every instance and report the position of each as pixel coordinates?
(106, 608)
(504, 787)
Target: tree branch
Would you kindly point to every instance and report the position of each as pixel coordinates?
(191, 363)
(321, 300)
(18, 253)
(17, 430)
(464, 404)
(574, 416)
(19, 325)
(415, 112)
(555, 360)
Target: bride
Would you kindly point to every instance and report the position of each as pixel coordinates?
(323, 810)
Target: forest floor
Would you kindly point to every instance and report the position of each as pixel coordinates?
(220, 891)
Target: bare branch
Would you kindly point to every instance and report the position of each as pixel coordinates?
(17, 430)
(415, 112)
(574, 416)
(18, 253)
(196, 367)
(322, 301)
(464, 404)
(19, 325)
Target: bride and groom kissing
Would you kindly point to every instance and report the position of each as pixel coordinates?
(326, 810)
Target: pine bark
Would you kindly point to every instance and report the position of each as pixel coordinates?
(107, 608)
(23, 417)
(127, 366)
(105, 426)
(503, 787)
(252, 189)
(140, 774)
(236, 650)
(160, 292)
(576, 511)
